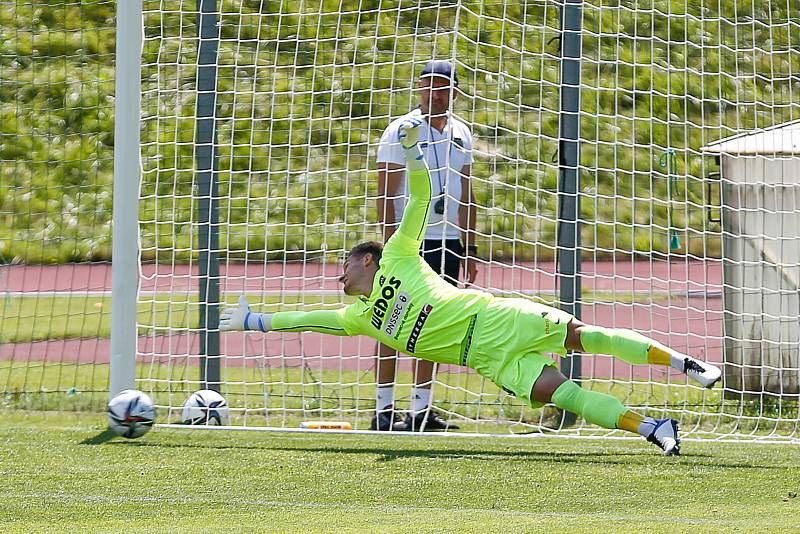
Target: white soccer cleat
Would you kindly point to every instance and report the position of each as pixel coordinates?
(704, 373)
(665, 435)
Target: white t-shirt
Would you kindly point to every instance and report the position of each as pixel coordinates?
(446, 153)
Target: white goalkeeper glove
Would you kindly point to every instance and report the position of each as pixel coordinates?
(241, 318)
(408, 132)
(408, 136)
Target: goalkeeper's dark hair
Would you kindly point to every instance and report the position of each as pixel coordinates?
(372, 247)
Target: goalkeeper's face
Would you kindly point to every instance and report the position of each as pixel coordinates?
(358, 274)
(434, 95)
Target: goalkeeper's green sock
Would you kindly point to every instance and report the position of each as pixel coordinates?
(600, 409)
(627, 345)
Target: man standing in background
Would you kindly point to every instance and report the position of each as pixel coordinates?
(446, 144)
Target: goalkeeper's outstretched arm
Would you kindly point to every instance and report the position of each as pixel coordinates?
(408, 237)
(242, 318)
(405, 242)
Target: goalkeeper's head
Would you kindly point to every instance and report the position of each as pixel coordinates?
(437, 87)
(360, 267)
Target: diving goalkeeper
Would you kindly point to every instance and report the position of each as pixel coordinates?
(408, 307)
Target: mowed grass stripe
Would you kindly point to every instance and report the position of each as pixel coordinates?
(284, 396)
(257, 482)
(381, 509)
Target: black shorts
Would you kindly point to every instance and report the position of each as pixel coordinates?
(453, 251)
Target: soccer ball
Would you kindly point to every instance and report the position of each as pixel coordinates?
(205, 407)
(131, 414)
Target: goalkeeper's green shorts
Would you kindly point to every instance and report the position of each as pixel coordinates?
(510, 338)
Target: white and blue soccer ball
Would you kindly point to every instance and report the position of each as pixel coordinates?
(131, 413)
(206, 407)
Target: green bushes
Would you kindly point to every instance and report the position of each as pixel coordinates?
(303, 97)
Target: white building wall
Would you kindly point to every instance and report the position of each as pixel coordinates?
(761, 274)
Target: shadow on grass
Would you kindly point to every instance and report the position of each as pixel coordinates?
(390, 455)
(99, 439)
(644, 457)
(637, 457)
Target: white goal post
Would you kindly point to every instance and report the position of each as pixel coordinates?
(258, 172)
(127, 176)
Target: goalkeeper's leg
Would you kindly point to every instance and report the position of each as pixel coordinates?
(603, 410)
(637, 349)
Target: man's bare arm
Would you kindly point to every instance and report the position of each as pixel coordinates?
(467, 213)
(389, 176)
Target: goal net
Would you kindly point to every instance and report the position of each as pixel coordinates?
(56, 165)
(303, 92)
(258, 154)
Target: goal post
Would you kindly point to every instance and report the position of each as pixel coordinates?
(208, 193)
(125, 250)
(569, 229)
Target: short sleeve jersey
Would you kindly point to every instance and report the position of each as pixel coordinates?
(410, 307)
(446, 153)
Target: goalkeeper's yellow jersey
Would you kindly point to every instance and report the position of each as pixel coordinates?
(410, 308)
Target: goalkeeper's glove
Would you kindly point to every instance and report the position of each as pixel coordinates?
(241, 318)
(408, 137)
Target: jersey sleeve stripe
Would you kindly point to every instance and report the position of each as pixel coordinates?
(424, 225)
(308, 327)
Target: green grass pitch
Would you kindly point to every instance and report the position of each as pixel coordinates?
(54, 477)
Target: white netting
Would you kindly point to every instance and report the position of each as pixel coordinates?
(56, 163)
(303, 92)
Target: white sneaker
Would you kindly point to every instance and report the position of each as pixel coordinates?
(704, 373)
(665, 435)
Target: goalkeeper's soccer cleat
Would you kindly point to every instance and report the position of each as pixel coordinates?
(665, 435)
(704, 373)
(387, 420)
(428, 421)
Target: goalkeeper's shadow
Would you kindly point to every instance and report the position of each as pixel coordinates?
(643, 456)
(390, 455)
